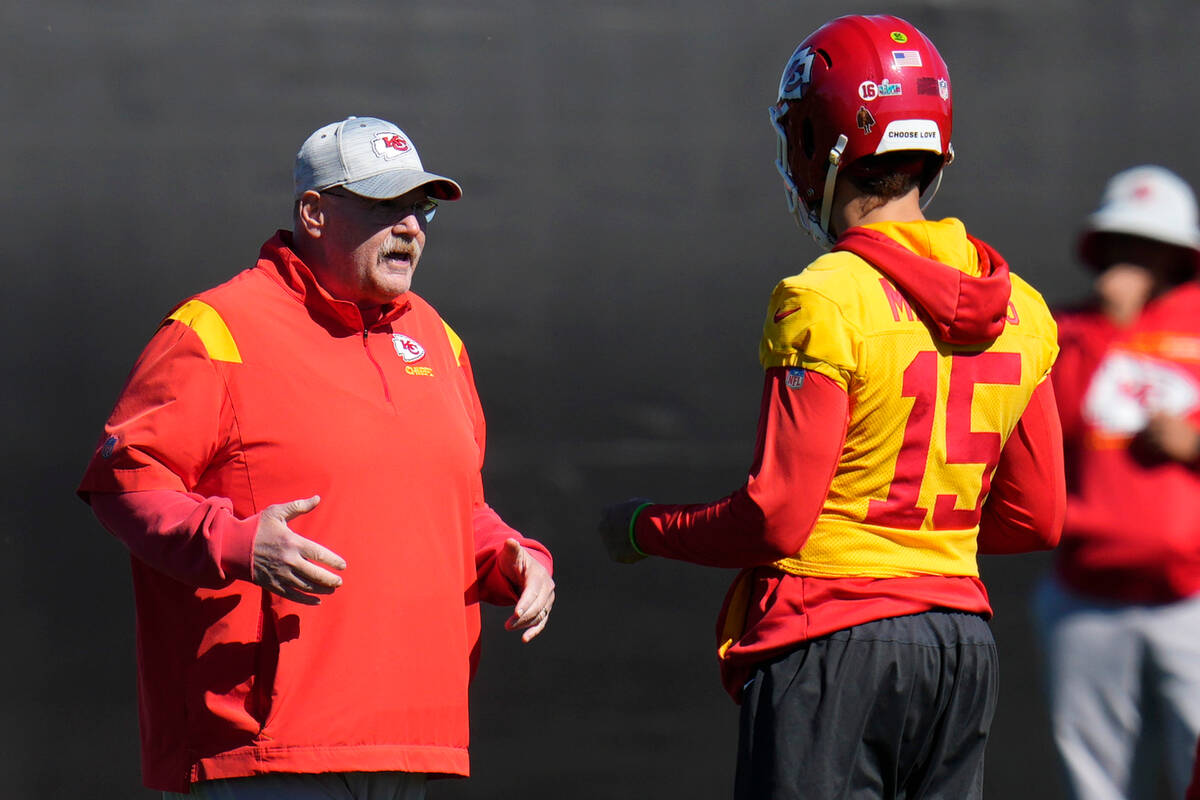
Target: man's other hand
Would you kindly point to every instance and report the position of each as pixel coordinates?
(286, 563)
(536, 586)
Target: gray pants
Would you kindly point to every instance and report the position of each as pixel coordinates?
(320, 786)
(1124, 691)
(897, 709)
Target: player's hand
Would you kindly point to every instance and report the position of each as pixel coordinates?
(537, 589)
(1172, 436)
(614, 531)
(288, 564)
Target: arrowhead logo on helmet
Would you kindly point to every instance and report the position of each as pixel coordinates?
(797, 73)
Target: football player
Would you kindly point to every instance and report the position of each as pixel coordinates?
(906, 424)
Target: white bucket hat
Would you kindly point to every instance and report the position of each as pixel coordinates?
(1147, 201)
(371, 157)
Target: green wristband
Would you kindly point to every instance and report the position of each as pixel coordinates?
(632, 539)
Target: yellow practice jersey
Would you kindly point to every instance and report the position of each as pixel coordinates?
(927, 419)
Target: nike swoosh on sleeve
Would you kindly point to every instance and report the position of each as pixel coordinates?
(781, 315)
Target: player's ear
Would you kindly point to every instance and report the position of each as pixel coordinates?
(311, 214)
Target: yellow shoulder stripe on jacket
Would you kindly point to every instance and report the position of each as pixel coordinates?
(455, 342)
(212, 330)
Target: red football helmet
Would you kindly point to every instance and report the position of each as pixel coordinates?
(857, 86)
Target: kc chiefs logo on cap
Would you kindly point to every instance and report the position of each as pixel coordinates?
(390, 145)
(407, 348)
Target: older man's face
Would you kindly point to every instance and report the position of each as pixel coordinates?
(371, 247)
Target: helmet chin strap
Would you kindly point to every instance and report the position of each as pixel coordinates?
(937, 182)
(835, 160)
(933, 189)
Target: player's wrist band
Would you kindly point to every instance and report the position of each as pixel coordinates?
(633, 539)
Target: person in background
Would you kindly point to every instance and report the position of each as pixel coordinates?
(1119, 617)
(294, 465)
(1193, 792)
(906, 424)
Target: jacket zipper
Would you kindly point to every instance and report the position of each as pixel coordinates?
(382, 377)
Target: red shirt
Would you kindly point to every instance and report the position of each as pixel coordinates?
(1193, 792)
(264, 390)
(1133, 518)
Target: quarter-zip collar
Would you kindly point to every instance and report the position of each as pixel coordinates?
(280, 262)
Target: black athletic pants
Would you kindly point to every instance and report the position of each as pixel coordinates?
(896, 709)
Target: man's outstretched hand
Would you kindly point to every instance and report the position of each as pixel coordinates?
(288, 564)
(535, 585)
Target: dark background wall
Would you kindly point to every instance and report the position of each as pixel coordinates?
(608, 268)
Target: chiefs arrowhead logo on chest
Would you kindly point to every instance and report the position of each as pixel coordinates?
(407, 348)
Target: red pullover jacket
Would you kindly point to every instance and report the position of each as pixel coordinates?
(1193, 792)
(873, 487)
(1133, 519)
(264, 390)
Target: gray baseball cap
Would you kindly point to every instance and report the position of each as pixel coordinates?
(370, 157)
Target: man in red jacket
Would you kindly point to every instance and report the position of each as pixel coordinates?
(906, 424)
(1120, 616)
(294, 465)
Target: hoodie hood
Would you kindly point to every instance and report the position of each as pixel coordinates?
(957, 283)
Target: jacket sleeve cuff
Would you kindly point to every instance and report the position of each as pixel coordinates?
(237, 546)
(539, 553)
(644, 534)
(633, 542)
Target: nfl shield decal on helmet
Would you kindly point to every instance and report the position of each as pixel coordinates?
(407, 348)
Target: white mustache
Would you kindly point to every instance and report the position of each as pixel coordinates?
(398, 247)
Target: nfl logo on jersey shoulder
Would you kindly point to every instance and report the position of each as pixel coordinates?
(795, 378)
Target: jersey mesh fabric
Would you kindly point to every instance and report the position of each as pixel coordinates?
(927, 420)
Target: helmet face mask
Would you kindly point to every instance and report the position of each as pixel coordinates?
(814, 220)
(796, 207)
(857, 86)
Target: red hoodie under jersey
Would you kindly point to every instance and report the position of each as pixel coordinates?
(265, 390)
(802, 447)
(1133, 521)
